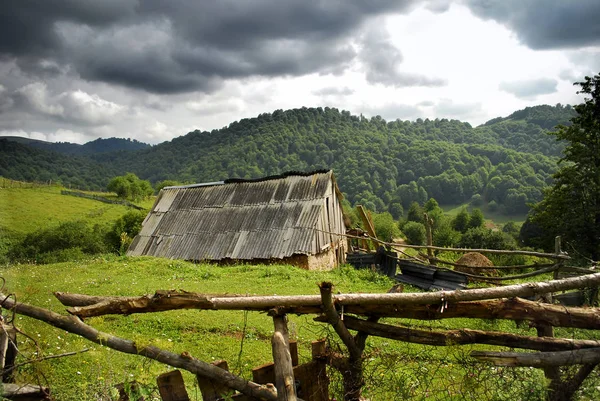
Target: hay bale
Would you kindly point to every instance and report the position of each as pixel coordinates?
(473, 260)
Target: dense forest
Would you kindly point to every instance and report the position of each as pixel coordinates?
(504, 163)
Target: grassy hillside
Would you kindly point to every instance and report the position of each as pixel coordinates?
(23, 210)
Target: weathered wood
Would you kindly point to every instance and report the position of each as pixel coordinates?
(284, 371)
(312, 380)
(26, 392)
(540, 359)
(211, 390)
(169, 300)
(464, 336)
(183, 361)
(293, 346)
(368, 223)
(334, 320)
(491, 251)
(511, 309)
(429, 236)
(172, 387)
(352, 371)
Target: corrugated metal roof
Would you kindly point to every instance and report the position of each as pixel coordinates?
(262, 219)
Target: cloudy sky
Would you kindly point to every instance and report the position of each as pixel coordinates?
(76, 70)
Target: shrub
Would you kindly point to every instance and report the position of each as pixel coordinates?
(385, 227)
(415, 233)
(481, 237)
(43, 244)
(123, 230)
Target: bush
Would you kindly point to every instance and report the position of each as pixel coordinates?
(485, 238)
(129, 186)
(385, 227)
(444, 235)
(415, 233)
(121, 234)
(47, 243)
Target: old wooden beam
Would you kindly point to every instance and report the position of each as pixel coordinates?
(540, 359)
(168, 300)
(464, 336)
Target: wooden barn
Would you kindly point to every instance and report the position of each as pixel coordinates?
(293, 218)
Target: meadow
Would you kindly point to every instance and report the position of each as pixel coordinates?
(393, 370)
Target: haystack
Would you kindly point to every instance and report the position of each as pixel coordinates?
(474, 260)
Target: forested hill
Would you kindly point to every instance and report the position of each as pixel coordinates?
(100, 145)
(377, 163)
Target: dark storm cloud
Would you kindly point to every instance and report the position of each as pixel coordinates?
(545, 24)
(529, 89)
(382, 63)
(184, 45)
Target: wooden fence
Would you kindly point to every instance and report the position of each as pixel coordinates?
(360, 312)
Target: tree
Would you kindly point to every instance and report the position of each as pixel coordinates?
(415, 212)
(385, 227)
(129, 186)
(415, 233)
(460, 222)
(571, 207)
(476, 219)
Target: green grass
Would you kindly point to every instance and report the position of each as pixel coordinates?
(395, 370)
(23, 210)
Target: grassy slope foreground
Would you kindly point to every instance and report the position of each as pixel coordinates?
(207, 335)
(394, 370)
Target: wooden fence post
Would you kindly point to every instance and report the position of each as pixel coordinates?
(210, 390)
(284, 371)
(557, 253)
(171, 386)
(429, 231)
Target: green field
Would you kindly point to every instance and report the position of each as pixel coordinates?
(23, 210)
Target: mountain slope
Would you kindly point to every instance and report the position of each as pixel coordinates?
(100, 145)
(381, 164)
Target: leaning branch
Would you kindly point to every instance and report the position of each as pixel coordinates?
(184, 361)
